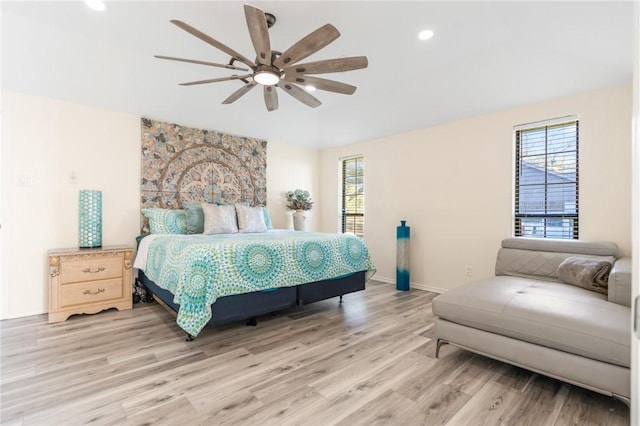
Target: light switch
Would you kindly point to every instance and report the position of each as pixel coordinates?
(25, 180)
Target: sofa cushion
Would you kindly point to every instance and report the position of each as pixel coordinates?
(598, 248)
(620, 282)
(554, 315)
(540, 257)
(542, 265)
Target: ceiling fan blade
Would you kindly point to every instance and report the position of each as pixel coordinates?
(300, 94)
(213, 42)
(215, 80)
(270, 98)
(240, 92)
(308, 45)
(321, 83)
(259, 32)
(194, 61)
(329, 66)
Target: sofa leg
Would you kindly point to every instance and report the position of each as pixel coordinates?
(439, 343)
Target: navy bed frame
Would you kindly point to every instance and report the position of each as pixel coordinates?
(248, 306)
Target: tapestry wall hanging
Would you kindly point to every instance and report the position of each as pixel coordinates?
(183, 164)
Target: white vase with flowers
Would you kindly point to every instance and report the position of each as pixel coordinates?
(299, 201)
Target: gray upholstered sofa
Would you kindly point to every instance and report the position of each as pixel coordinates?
(526, 316)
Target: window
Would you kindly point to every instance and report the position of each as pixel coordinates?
(546, 179)
(353, 196)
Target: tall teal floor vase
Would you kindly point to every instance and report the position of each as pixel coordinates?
(90, 219)
(402, 257)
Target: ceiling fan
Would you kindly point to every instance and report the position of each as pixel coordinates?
(273, 69)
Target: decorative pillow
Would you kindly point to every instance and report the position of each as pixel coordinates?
(195, 218)
(250, 219)
(166, 221)
(592, 274)
(219, 219)
(267, 218)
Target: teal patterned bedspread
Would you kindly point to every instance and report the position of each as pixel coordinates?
(198, 269)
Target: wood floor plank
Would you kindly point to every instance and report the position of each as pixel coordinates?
(187, 379)
(490, 406)
(278, 408)
(343, 377)
(438, 404)
(473, 374)
(542, 397)
(341, 405)
(390, 408)
(369, 360)
(583, 407)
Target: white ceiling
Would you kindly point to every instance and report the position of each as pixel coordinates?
(484, 57)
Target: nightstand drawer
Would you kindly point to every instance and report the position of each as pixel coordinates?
(72, 271)
(87, 281)
(90, 292)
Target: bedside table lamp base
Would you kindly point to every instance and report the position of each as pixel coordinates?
(90, 219)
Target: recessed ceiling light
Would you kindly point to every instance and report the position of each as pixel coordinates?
(96, 5)
(310, 88)
(425, 34)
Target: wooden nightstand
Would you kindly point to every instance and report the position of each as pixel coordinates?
(87, 281)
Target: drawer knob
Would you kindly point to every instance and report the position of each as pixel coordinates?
(98, 291)
(94, 271)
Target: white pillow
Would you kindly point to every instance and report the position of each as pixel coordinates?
(219, 219)
(250, 219)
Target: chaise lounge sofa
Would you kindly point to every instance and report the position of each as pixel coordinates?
(527, 316)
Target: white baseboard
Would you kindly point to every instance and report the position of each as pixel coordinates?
(417, 286)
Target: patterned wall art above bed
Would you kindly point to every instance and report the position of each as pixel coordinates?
(183, 164)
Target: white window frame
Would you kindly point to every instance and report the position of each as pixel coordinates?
(519, 217)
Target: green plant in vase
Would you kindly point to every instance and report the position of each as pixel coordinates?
(299, 201)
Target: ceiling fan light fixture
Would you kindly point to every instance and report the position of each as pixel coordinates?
(96, 5)
(425, 34)
(266, 77)
(310, 88)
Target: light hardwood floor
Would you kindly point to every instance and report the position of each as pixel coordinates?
(367, 361)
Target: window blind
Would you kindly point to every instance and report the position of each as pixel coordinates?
(546, 179)
(353, 196)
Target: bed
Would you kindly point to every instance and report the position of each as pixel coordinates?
(221, 278)
(210, 252)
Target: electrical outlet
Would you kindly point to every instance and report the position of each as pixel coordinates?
(468, 271)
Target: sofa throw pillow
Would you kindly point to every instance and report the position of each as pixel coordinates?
(250, 219)
(592, 274)
(166, 221)
(195, 218)
(219, 219)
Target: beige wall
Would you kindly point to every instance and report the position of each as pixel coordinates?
(290, 167)
(453, 185)
(43, 141)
